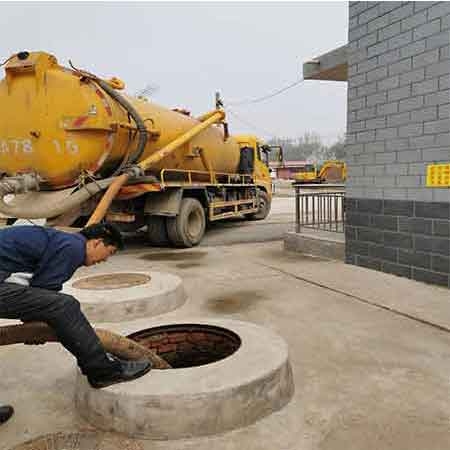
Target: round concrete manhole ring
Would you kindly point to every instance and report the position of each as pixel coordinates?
(237, 373)
(123, 296)
(80, 441)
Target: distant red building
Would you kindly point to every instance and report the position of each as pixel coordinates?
(285, 170)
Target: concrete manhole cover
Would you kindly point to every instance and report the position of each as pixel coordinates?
(189, 345)
(112, 281)
(79, 441)
(228, 374)
(122, 296)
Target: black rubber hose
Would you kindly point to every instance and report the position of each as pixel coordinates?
(142, 130)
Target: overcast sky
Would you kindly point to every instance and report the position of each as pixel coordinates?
(191, 50)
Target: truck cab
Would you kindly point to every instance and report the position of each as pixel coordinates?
(261, 151)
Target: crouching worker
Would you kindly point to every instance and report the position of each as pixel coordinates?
(34, 263)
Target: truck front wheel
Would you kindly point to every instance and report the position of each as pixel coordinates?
(264, 207)
(188, 227)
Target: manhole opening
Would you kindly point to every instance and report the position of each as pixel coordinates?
(112, 281)
(189, 345)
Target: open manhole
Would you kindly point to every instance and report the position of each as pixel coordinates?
(80, 441)
(205, 399)
(189, 345)
(112, 281)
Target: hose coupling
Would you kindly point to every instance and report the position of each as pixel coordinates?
(20, 183)
(133, 171)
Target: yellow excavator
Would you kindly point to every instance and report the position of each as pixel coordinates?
(330, 171)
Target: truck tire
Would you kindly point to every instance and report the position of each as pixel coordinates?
(157, 231)
(264, 207)
(187, 229)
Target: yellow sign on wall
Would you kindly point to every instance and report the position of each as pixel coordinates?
(438, 175)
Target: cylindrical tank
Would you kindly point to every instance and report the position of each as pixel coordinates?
(59, 125)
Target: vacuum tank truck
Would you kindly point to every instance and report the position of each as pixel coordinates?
(75, 150)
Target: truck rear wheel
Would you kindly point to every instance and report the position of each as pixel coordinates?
(264, 207)
(187, 229)
(157, 231)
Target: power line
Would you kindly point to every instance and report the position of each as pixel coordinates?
(257, 128)
(268, 96)
(251, 125)
(148, 91)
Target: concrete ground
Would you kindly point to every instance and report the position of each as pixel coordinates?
(370, 351)
(366, 376)
(280, 220)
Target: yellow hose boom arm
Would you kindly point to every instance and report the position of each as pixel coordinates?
(209, 119)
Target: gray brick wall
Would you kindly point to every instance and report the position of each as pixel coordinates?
(399, 97)
(402, 237)
(398, 123)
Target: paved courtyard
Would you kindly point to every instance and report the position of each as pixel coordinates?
(370, 352)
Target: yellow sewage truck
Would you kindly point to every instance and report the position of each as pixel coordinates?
(75, 150)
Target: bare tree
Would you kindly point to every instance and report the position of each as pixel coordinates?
(310, 147)
(148, 91)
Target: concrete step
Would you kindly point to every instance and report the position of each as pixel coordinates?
(317, 243)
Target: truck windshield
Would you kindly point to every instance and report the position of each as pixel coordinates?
(263, 154)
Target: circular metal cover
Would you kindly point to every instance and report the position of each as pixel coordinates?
(112, 281)
(80, 441)
(119, 296)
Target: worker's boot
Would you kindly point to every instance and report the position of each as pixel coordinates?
(5, 413)
(118, 372)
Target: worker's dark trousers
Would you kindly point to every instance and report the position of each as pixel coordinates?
(62, 313)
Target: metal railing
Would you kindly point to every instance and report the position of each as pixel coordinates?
(319, 210)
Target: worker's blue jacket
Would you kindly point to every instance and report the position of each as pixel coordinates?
(40, 257)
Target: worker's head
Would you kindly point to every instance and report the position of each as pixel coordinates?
(102, 241)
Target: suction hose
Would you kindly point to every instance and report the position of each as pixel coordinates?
(112, 92)
(24, 183)
(141, 128)
(121, 180)
(34, 333)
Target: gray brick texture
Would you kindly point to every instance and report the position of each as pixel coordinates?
(404, 237)
(398, 98)
(398, 123)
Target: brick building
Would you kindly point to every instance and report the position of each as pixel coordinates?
(287, 169)
(397, 64)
